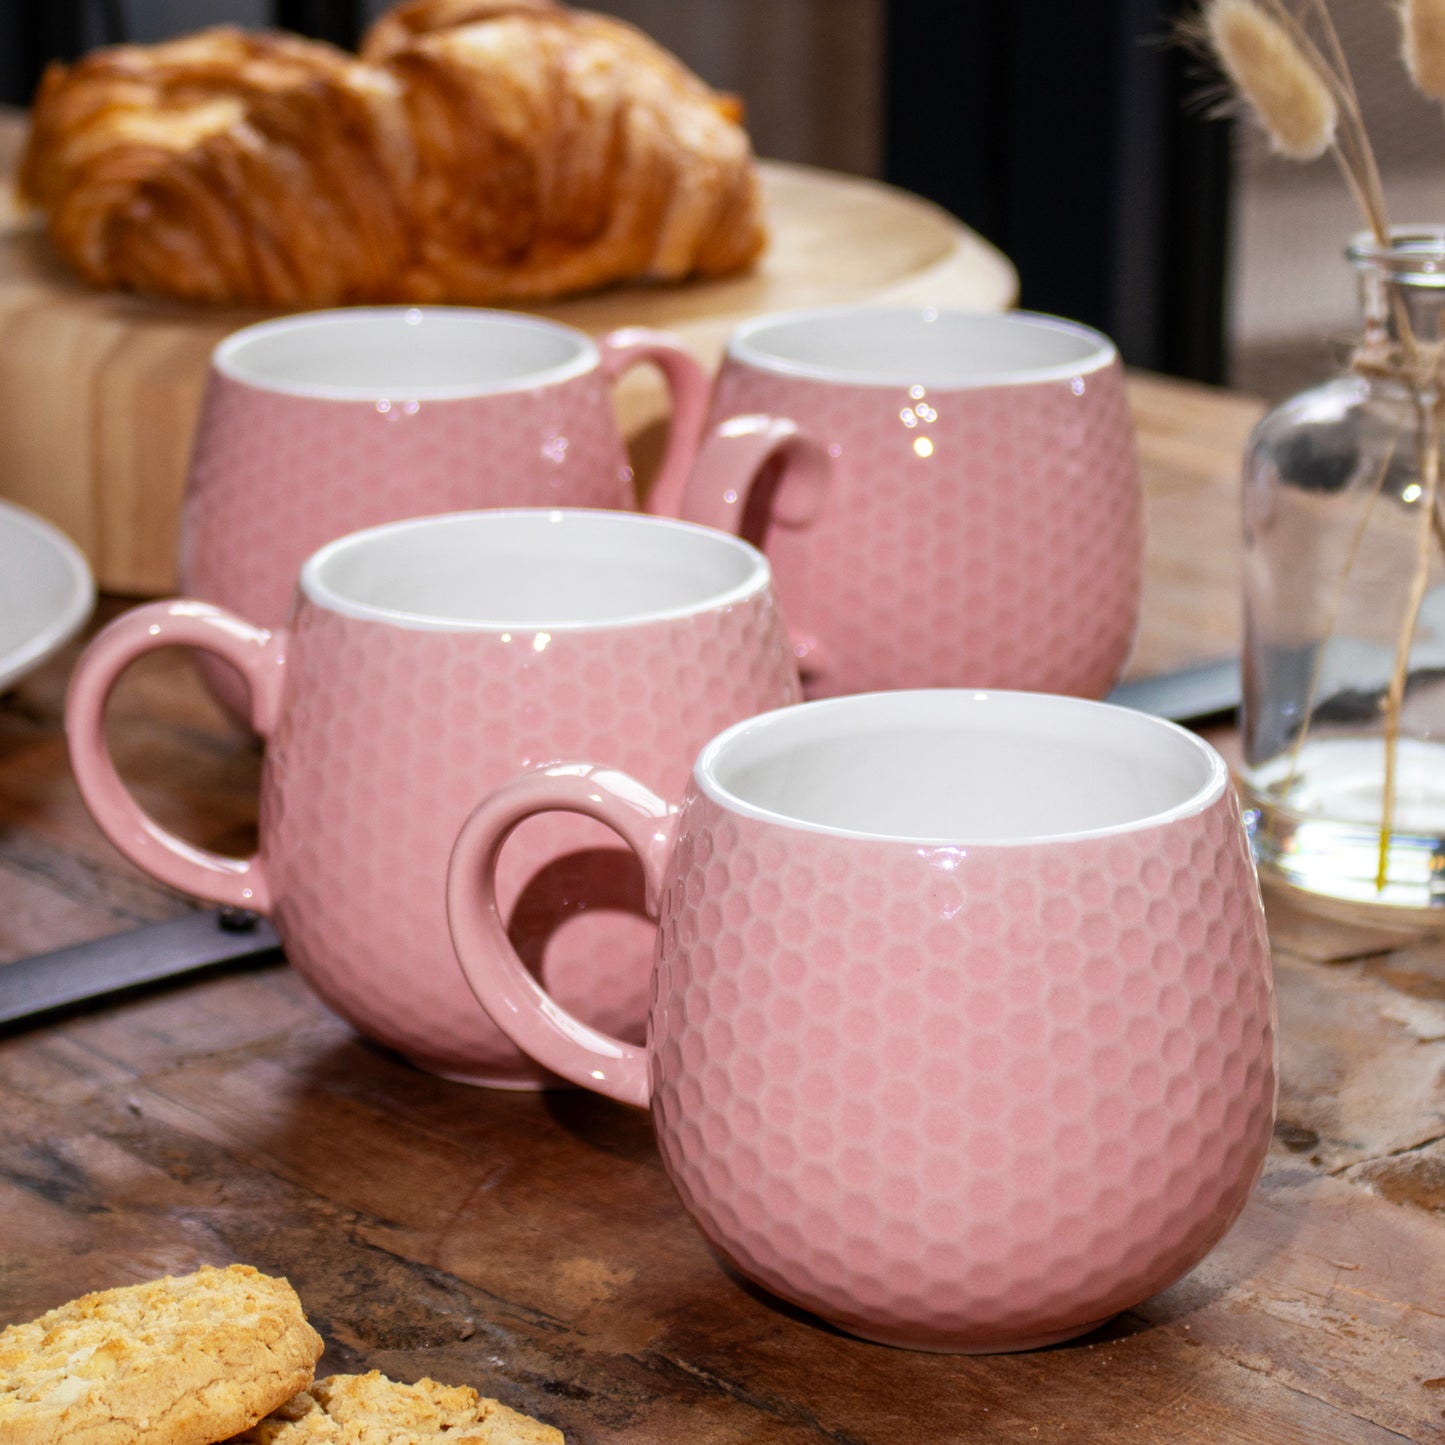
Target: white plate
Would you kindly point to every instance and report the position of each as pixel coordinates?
(46, 591)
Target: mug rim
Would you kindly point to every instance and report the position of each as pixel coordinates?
(905, 704)
(742, 350)
(312, 585)
(224, 359)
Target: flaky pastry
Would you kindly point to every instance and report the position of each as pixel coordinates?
(475, 151)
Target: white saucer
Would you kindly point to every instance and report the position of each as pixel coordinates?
(46, 591)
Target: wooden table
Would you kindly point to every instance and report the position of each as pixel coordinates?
(531, 1246)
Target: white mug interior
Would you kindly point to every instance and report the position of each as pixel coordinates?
(396, 354)
(931, 347)
(533, 570)
(954, 767)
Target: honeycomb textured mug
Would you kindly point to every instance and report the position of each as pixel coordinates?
(318, 425)
(983, 526)
(428, 661)
(962, 1028)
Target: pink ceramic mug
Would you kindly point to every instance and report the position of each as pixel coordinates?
(427, 661)
(983, 527)
(962, 1026)
(320, 424)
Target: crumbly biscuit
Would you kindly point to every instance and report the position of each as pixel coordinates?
(185, 1360)
(372, 1410)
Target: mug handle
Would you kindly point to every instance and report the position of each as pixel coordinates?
(687, 386)
(739, 455)
(256, 653)
(503, 985)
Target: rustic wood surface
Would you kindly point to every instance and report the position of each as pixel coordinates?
(99, 392)
(530, 1245)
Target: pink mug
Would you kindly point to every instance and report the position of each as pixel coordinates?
(427, 661)
(320, 424)
(962, 1026)
(983, 526)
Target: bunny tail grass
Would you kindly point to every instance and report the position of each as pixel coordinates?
(1292, 100)
(1422, 25)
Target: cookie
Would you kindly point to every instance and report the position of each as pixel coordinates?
(185, 1360)
(372, 1410)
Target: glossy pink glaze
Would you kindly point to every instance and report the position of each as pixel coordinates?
(739, 457)
(952, 1098)
(275, 475)
(973, 1103)
(382, 738)
(255, 655)
(982, 535)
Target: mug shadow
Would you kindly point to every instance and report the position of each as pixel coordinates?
(602, 1125)
(354, 1070)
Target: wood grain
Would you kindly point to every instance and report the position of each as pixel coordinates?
(531, 1245)
(99, 392)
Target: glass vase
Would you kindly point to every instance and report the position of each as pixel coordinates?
(1343, 716)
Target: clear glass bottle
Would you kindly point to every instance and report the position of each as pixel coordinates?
(1343, 717)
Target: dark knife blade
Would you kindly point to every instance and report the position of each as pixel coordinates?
(1188, 695)
(156, 951)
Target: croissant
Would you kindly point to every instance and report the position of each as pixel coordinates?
(475, 151)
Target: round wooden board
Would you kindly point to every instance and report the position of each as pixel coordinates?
(99, 391)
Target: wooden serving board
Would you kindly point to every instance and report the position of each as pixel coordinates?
(99, 391)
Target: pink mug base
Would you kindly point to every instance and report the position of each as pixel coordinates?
(484, 1079)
